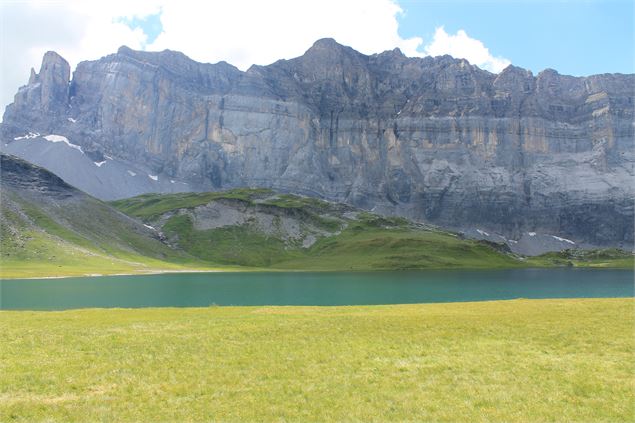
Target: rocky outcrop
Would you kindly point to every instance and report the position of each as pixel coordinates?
(434, 139)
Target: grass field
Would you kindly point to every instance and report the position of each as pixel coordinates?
(513, 361)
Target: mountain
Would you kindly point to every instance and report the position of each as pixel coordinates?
(47, 227)
(540, 162)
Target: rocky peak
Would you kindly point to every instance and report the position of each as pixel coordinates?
(46, 93)
(125, 50)
(514, 79)
(327, 52)
(325, 45)
(54, 76)
(32, 77)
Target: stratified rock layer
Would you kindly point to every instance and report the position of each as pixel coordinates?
(435, 139)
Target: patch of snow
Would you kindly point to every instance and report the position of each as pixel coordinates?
(28, 136)
(61, 138)
(99, 164)
(513, 241)
(153, 177)
(482, 232)
(149, 227)
(131, 173)
(399, 112)
(172, 181)
(563, 239)
(71, 120)
(532, 233)
(108, 157)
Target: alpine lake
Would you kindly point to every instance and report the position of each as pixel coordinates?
(311, 288)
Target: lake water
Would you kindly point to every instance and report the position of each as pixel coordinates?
(311, 288)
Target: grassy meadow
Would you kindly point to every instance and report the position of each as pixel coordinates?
(512, 361)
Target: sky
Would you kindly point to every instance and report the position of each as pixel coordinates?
(576, 37)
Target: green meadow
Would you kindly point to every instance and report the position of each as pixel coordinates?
(506, 361)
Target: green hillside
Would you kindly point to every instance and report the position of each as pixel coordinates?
(48, 228)
(344, 238)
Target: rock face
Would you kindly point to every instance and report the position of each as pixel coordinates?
(434, 139)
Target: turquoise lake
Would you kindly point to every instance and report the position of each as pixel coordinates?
(311, 288)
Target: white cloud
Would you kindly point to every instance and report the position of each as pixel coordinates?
(241, 32)
(260, 32)
(461, 46)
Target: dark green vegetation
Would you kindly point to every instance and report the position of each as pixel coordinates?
(505, 361)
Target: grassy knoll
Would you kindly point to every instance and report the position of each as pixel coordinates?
(513, 361)
(363, 242)
(361, 247)
(149, 206)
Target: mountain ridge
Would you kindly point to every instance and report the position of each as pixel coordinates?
(432, 139)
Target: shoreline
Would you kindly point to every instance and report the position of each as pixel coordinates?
(96, 275)
(252, 270)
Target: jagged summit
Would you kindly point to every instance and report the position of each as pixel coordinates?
(326, 44)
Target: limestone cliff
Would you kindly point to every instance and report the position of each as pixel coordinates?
(434, 139)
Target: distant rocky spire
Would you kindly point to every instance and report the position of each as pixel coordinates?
(54, 76)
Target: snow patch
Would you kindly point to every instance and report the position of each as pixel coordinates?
(149, 227)
(61, 138)
(108, 157)
(99, 164)
(153, 177)
(513, 241)
(563, 239)
(131, 173)
(172, 181)
(71, 120)
(28, 136)
(482, 232)
(532, 233)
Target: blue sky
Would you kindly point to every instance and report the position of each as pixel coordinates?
(573, 37)
(579, 38)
